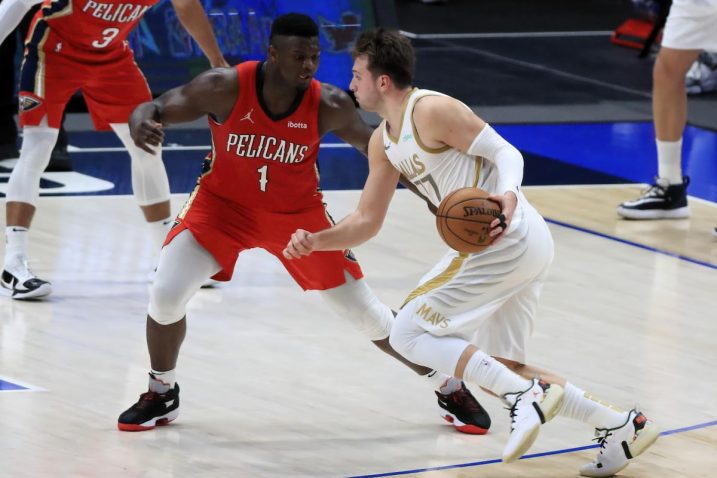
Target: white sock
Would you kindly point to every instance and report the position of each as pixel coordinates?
(15, 242)
(442, 382)
(158, 230)
(162, 382)
(583, 407)
(669, 160)
(484, 370)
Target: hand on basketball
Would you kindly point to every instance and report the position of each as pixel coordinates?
(302, 243)
(508, 202)
(147, 133)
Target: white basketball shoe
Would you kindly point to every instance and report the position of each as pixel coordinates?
(621, 444)
(21, 282)
(528, 410)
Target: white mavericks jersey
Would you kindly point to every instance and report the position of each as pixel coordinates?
(435, 171)
(488, 298)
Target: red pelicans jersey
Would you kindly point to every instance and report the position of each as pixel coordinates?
(263, 161)
(91, 26)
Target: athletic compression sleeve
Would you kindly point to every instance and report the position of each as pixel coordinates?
(490, 145)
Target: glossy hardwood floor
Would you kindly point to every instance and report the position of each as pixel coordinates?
(273, 385)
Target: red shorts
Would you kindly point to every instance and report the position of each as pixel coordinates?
(225, 229)
(112, 85)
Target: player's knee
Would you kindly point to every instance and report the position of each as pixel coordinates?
(150, 184)
(375, 322)
(404, 333)
(668, 69)
(355, 301)
(166, 305)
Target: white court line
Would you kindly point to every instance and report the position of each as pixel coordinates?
(453, 36)
(176, 147)
(545, 69)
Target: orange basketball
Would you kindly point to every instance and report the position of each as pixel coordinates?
(463, 219)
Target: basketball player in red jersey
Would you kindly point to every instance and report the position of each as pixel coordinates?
(81, 45)
(259, 183)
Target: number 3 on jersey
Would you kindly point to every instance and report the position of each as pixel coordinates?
(262, 177)
(108, 34)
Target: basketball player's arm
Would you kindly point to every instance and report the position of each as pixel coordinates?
(338, 115)
(362, 224)
(11, 12)
(442, 120)
(213, 92)
(194, 19)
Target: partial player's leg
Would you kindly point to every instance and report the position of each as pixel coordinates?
(183, 266)
(42, 100)
(150, 184)
(355, 301)
(688, 30)
(112, 93)
(22, 195)
(622, 434)
(454, 302)
(532, 402)
(339, 279)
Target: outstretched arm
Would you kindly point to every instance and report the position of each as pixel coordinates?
(11, 12)
(213, 92)
(362, 224)
(194, 19)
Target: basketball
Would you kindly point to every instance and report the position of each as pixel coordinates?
(463, 219)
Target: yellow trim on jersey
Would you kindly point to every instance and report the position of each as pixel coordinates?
(188, 204)
(211, 157)
(420, 144)
(40, 73)
(479, 166)
(440, 280)
(403, 115)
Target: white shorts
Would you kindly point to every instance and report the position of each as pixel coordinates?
(691, 25)
(489, 298)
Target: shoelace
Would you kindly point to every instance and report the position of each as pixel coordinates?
(602, 439)
(513, 413)
(654, 191)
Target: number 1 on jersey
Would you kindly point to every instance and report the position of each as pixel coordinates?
(262, 177)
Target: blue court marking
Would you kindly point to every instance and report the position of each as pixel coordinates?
(626, 150)
(525, 457)
(587, 153)
(9, 386)
(636, 244)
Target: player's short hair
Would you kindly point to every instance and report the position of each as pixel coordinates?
(293, 25)
(389, 53)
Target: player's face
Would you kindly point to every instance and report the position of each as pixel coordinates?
(297, 59)
(363, 84)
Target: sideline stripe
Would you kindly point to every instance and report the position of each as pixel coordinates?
(631, 243)
(525, 457)
(540, 67)
(450, 36)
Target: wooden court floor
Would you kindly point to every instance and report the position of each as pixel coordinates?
(273, 385)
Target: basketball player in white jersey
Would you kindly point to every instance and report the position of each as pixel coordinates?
(472, 313)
